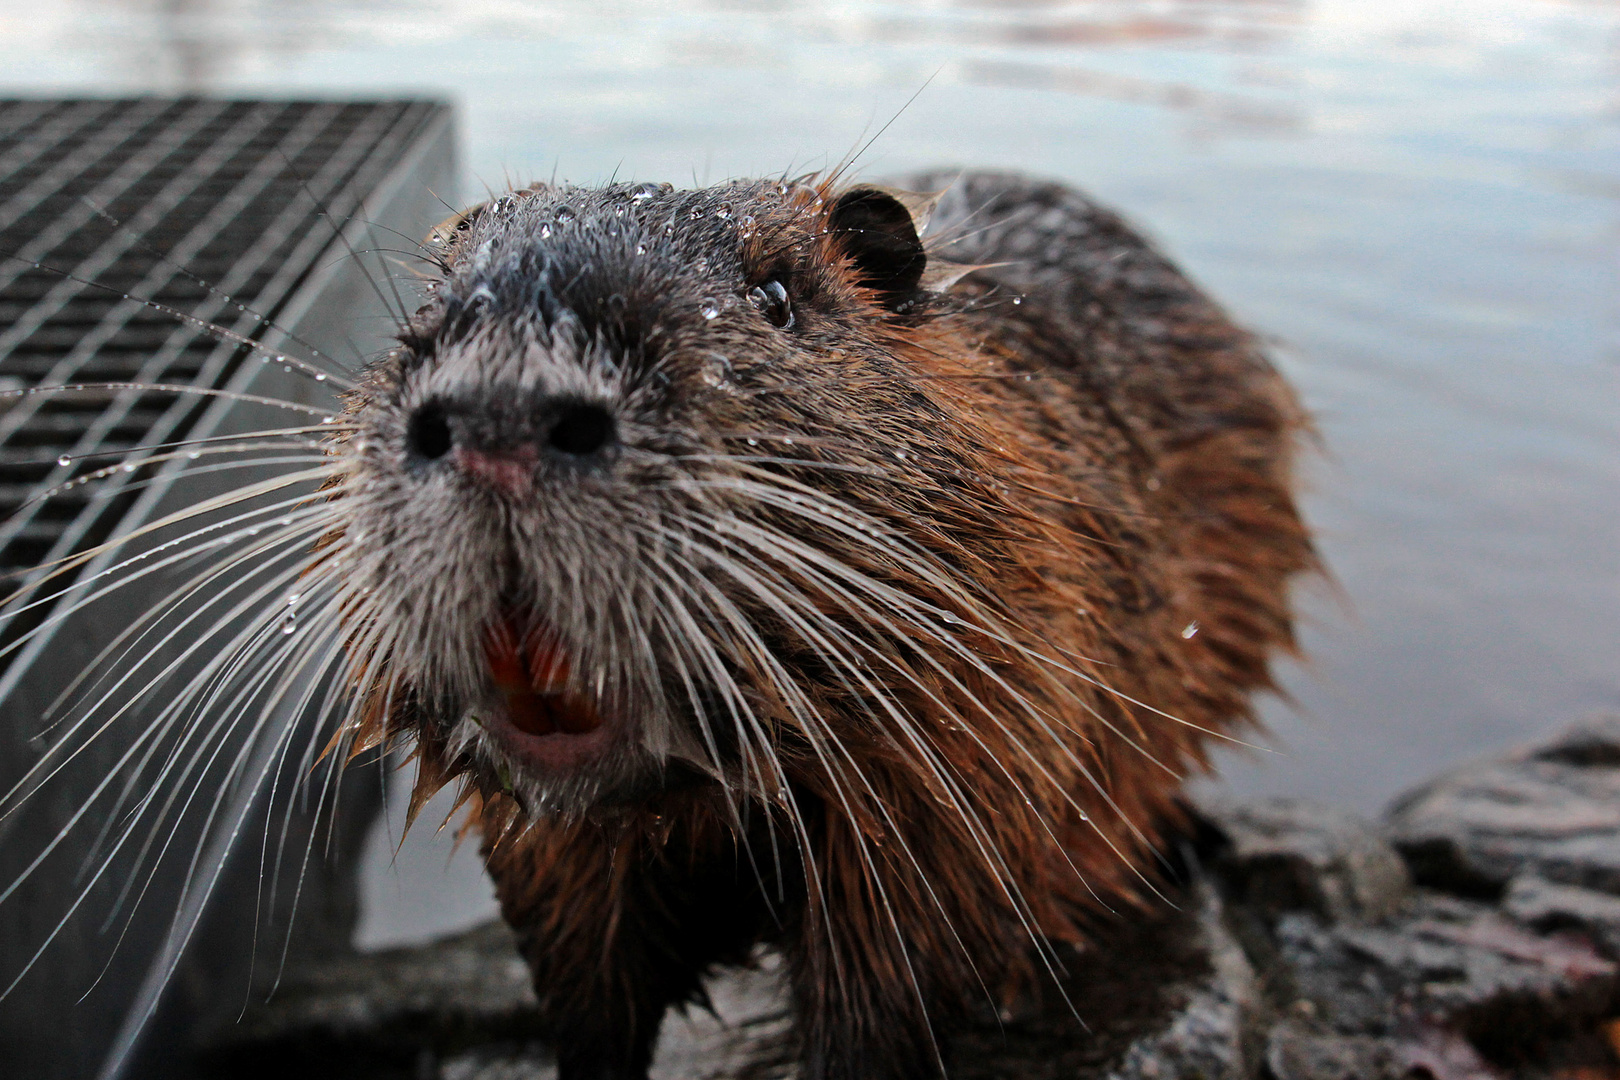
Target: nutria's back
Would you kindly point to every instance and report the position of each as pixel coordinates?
(1167, 412)
(770, 573)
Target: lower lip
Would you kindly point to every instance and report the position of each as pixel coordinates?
(552, 753)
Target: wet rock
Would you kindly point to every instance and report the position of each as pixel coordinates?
(743, 1036)
(383, 1014)
(1546, 906)
(1167, 994)
(1463, 965)
(1208, 1034)
(1173, 997)
(1290, 855)
(747, 1033)
(1295, 1052)
(1447, 986)
(515, 1061)
(1551, 812)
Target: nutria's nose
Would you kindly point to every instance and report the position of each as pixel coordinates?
(503, 451)
(508, 472)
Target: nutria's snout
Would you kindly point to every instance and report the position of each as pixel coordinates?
(486, 463)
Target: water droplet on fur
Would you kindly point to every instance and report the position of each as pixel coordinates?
(64, 460)
(320, 376)
(564, 214)
(641, 249)
(1190, 629)
(1017, 300)
(545, 230)
(787, 440)
(289, 624)
(293, 598)
(747, 226)
(129, 467)
(900, 455)
(695, 213)
(723, 212)
(753, 442)
(641, 195)
(717, 372)
(286, 367)
(328, 419)
(709, 308)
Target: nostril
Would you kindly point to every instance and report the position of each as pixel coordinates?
(428, 434)
(581, 430)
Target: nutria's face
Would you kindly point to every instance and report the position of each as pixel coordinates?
(627, 435)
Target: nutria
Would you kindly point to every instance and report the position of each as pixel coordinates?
(816, 564)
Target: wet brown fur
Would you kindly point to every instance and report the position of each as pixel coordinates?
(1136, 483)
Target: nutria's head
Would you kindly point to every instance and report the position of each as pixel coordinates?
(670, 484)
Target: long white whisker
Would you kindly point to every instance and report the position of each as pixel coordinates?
(801, 614)
(91, 595)
(54, 762)
(778, 544)
(169, 388)
(220, 502)
(246, 438)
(90, 801)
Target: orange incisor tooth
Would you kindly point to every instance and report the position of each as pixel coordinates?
(531, 673)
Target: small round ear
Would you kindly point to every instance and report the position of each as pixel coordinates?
(878, 233)
(447, 232)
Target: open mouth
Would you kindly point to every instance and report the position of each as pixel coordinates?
(547, 721)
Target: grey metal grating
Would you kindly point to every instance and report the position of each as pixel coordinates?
(150, 198)
(124, 194)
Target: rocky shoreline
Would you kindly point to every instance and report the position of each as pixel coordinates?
(1473, 934)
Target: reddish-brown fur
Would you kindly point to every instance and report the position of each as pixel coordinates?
(1108, 462)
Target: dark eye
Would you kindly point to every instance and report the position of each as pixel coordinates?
(772, 301)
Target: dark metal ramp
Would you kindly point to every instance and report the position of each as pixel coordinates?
(226, 211)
